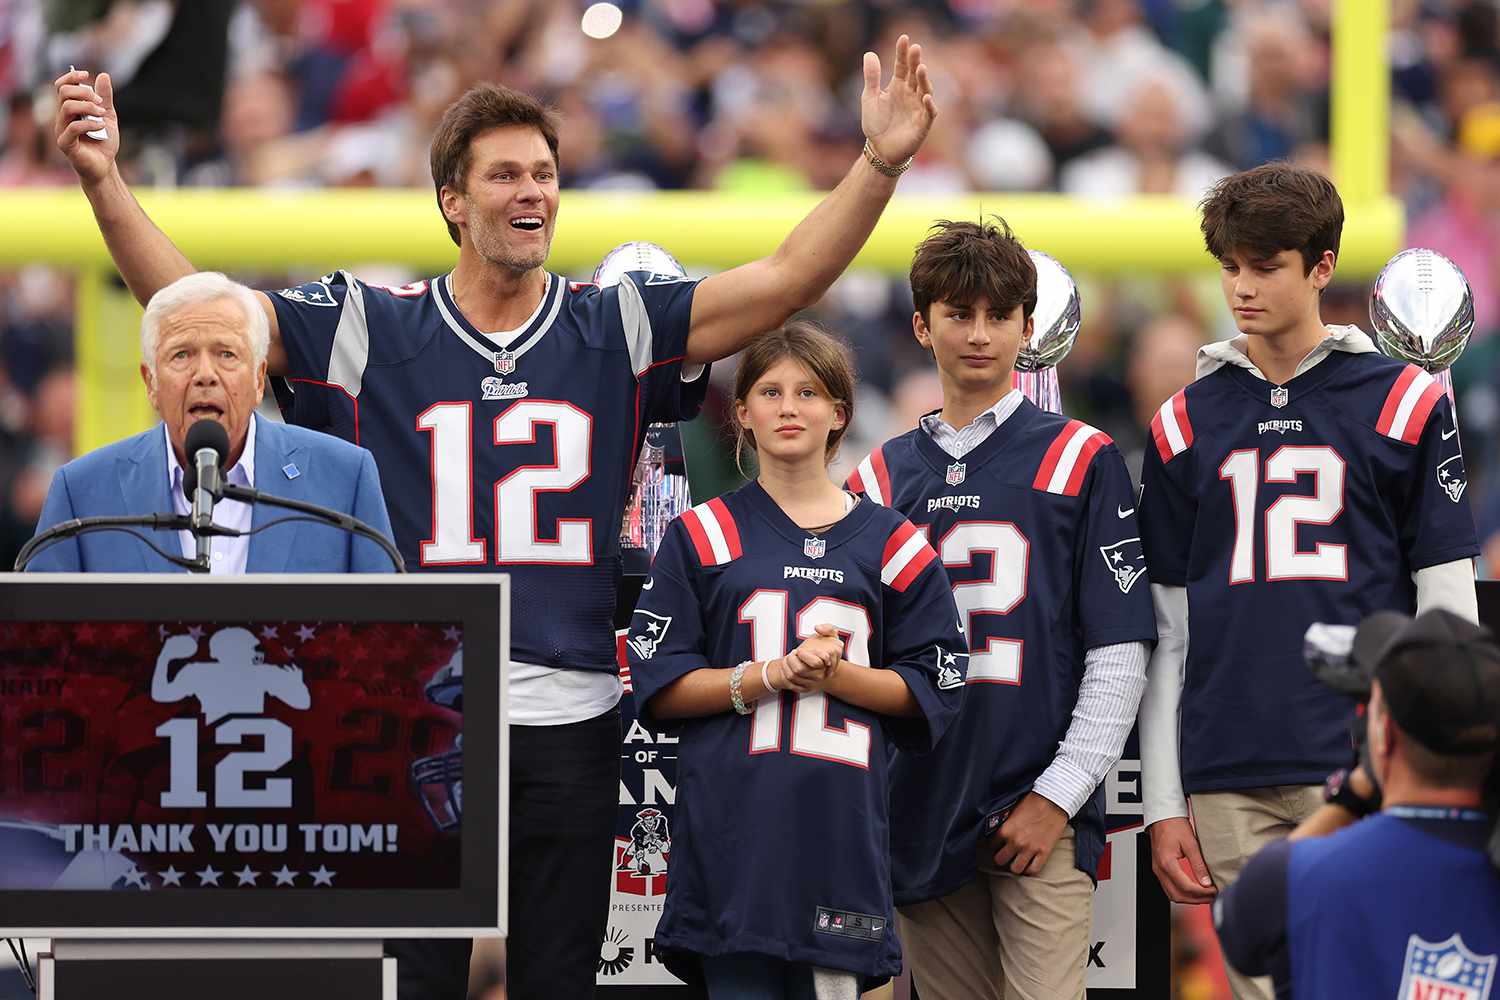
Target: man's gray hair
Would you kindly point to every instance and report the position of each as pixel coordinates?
(203, 286)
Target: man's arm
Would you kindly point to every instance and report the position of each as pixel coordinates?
(145, 257)
(732, 307)
(176, 647)
(1172, 838)
(1449, 585)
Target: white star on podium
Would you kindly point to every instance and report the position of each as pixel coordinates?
(171, 877)
(246, 876)
(136, 877)
(286, 876)
(323, 876)
(208, 876)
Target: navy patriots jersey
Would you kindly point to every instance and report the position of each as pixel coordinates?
(1036, 527)
(1278, 507)
(512, 456)
(1404, 904)
(780, 841)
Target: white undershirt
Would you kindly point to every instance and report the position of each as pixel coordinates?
(228, 556)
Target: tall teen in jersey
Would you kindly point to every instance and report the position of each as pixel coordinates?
(505, 409)
(1303, 477)
(780, 879)
(998, 834)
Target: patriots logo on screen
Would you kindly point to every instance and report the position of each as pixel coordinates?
(1126, 560)
(1279, 396)
(505, 362)
(1447, 970)
(814, 548)
(645, 638)
(955, 474)
(1450, 476)
(310, 294)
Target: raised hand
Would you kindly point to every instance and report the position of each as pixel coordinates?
(179, 646)
(896, 118)
(92, 159)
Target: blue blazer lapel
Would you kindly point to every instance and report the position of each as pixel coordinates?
(271, 552)
(143, 483)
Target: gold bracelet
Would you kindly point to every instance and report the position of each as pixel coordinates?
(882, 166)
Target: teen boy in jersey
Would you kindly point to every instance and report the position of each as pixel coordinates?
(1303, 477)
(996, 836)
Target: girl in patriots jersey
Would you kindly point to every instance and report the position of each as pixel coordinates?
(797, 632)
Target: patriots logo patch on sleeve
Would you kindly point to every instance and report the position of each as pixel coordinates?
(1452, 478)
(312, 294)
(951, 669)
(647, 631)
(1126, 560)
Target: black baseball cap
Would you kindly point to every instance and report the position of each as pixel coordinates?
(1440, 675)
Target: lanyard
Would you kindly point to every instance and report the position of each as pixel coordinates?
(1437, 812)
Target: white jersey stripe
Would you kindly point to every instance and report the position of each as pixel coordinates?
(351, 341)
(904, 555)
(1409, 399)
(871, 481)
(1168, 415)
(714, 532)
(1069, 458)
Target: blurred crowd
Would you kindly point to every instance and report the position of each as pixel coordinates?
(1094, 98)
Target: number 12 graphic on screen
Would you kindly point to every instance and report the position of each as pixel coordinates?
(517, 533)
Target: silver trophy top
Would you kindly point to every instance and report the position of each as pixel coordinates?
(636, 256)
(1422, 309)
(1058, 315)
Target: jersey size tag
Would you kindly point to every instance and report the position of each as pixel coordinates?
(846, 923)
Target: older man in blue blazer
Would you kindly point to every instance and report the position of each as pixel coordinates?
(204, 341)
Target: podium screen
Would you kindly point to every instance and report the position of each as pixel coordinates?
(233, 754)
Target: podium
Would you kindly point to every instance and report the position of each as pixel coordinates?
(246, 784)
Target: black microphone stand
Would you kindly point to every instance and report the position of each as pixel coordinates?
(157, 522)
(338, 519)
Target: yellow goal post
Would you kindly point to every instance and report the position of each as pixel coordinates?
(311, 232)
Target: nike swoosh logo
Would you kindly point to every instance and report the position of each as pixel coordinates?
(1124, 512)
(1449, 434)
(648, 584)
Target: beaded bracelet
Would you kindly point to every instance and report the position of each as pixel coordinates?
(736, 698)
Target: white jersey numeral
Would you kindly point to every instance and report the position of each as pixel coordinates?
(997, 661)
(1284, 561)
(766, 613)
(517, 533)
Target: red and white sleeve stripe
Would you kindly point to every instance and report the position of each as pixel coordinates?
(906, 555)
(712, 529)
(1408, 405)
(871, 478)
(622, 660)
(1171, 429)
(1067, 461)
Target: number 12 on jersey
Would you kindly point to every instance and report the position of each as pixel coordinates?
(517, 533)
(1242, 470)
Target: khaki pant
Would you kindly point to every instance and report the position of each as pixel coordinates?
(1232, 827)
(1004, 936)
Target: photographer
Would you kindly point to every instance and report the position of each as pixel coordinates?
(1407, 902)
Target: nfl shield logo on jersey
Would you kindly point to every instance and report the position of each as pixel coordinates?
(955, 474)
(1445, 970)
(814, 548)
(647, 630)
(1126, 560)
(505, 362)
(1450, 476)
(1279, 396)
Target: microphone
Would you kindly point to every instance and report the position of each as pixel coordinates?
(207, 447)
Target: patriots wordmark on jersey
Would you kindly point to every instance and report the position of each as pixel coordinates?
(733, 581)
(1039, 539)
(1275, 517)
(511, 450)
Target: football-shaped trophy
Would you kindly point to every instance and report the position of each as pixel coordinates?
(1422, 309)
(659, 485)
(1055, 323)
